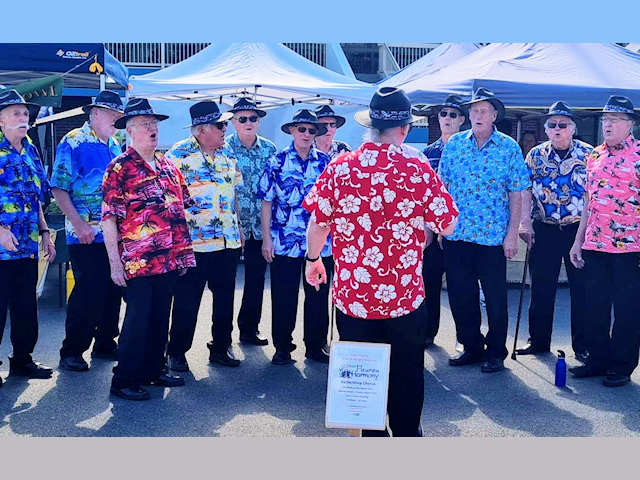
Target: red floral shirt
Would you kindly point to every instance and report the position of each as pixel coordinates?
(153, 236)
(377, 201)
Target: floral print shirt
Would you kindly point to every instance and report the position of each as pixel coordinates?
(212, 182)
(613, 183)
(149, 207)
(286, 181)
(81, 159)
(251, 162)
(558, 183)
(480, 180)
(23, 185)
(338, 147)
(377, 201)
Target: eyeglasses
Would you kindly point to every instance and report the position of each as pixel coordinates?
(252, 119)
(221, 125)
(604, 119)
(329, 124)
(451, 114)
(312, 131)
(147, 125)
(561, 126)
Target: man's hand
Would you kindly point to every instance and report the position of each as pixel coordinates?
(182, 272)
(575, 254)
(8, 240)
(84, 232)
(510, 246)
(117, 274)
(315, 273)
(48, 247)
(267, 249)
(243, 239)
(526, 234)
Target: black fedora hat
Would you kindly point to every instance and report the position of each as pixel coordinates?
(135, 107)
(106, 99)
(452, 101)
(560, 108)
(389, 107)
(11, 97)
(327, 111)
(485, 95)
(620, 104)
(245, 104)
(207, 112)
(304, 116)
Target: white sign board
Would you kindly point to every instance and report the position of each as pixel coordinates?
(358, 385)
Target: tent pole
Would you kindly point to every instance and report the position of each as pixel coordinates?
(103, 82)
(519, 129)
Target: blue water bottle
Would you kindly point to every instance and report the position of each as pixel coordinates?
(561, 370)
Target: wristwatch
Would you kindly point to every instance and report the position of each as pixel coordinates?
(306, 257)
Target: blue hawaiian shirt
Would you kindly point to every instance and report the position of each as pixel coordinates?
(558, 183)
(480, 180)
(433, 153)
(286, 181)
(251, 163)
(338, 147)
(81, 159)
(23, 185)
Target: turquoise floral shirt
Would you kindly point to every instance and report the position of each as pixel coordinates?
(251, 163)
(212, 184)
(480, 180)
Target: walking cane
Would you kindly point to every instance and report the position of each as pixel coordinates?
(524, 279)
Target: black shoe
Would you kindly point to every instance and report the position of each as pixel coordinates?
(318, 355)
(531, 349)
(131, 393)
(254, 338)
(582, 357)
(614, 379)
(74, 364)
(467, 358)
(225, 358)
(587, 370)
(492, 365)
(31, 370)
(107, 355)
(281, 358)
(178, 364)
(166, 380)
(428, 342)
(326, 348)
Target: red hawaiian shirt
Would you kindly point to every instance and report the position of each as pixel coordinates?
(377, 201)
(153, 236)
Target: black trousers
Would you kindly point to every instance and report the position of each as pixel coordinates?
(406, 335)
(466, 263)
(18, 279)
(432, 271)
(218, 271)
(552, 244)
(93, 310)
(255, 268)
(143, 339)
(613, 279)
(286, 273)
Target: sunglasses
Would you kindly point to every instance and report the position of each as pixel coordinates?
(221, 125)
(252, 119)
(561, 126)
(329, 124)
(612, 119)
(451, 114)
(312, 131)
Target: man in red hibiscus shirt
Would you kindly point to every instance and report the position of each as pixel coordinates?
(376, 202)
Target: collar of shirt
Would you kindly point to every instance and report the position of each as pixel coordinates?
(493, 137)
(622, 148)
(291, 150)
(5, 144)
(90, 132)
(234, 142)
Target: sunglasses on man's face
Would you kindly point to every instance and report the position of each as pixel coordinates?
(561, 126)
(221, 125)
(451, 114)
(252, 119)
(329, 124)
(312, 131)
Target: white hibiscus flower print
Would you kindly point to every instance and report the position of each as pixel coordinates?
(325, 206)
(402, 231)
(399, 312)
(368, 158)
(379, 177)
(537, 190)
(350, 254)
(439, 206)
(312, 197)
(426, 177)
(345, 274)
(406, 207)
(344, 226)
(386, 293)
(342, 169)
(416, 178)
(358, 310)
(350, 204)
(376, 203)
(361, 275)
(405, 280)
(418, 301)
(372, 257)
(410, 257)
(389, 195)
(365, 222)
